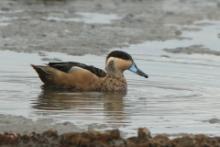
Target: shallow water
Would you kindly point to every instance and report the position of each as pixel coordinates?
(89, 18)
(180, 96)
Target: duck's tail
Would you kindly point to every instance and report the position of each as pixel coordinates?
(44, 73)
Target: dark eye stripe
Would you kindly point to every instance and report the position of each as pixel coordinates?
(119, 54)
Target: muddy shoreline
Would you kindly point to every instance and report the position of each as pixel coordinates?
(111, 138)
(26, 25)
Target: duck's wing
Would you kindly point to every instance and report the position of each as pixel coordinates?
(68, 66)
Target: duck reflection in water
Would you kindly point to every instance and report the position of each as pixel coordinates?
(83, 103)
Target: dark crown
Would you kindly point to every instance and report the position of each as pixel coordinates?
(119, 54)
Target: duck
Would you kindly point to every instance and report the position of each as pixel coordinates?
(77, 76)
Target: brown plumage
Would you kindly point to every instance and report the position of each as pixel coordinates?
(81, 77)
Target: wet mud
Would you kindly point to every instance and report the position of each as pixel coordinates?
(95, 26)
(110, 138)
(194, 49)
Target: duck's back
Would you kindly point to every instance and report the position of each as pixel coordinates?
(71, 75)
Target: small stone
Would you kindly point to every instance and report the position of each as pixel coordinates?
(50, 133)
(115, 134)
(25, 138)
(144, 133)
(185, 141)
(162, 140)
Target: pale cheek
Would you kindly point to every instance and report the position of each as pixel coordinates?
(123, 65)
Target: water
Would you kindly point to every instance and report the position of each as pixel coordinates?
(89, 18)
(180, 96)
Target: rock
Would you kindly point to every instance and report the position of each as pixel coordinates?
(8, 138)
(110, 138)
(50, 133)
(144, 133)
(162, 140)
(185, 141)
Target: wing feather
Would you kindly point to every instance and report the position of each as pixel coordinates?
(67, 66)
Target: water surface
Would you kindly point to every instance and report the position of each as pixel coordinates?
(89, 18)
(180, 96)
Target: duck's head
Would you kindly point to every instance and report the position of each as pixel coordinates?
(118, 61)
